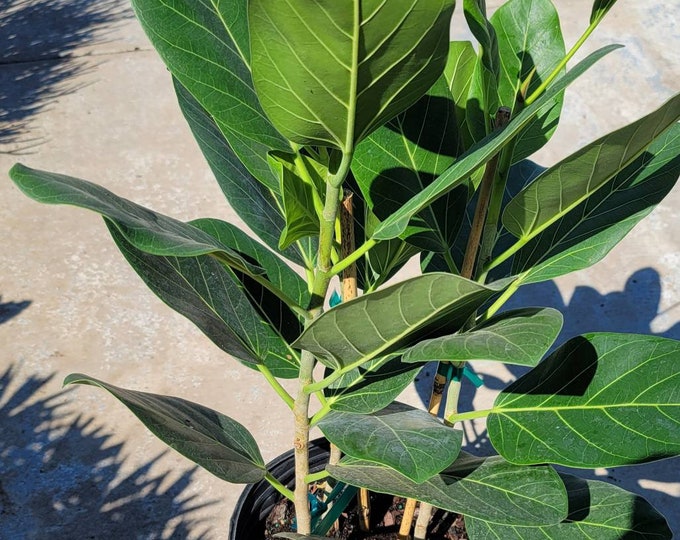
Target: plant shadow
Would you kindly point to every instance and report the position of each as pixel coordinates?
(63, 477)
(37, 60)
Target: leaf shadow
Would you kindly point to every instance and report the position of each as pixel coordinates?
(37, 60)
(64, 477)
(8, 310)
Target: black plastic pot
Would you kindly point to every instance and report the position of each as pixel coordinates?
(257, 500)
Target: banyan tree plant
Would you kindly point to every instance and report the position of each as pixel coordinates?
(352, 136)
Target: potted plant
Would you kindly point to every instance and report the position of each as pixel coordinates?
(352, 137)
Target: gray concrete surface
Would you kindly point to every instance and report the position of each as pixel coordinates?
(81, 92)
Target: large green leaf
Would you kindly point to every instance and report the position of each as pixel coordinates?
(371, 386)
(254, 203)
(217, 443)
(600, 400)
(211, 296)
(205, 45)
(530, 46)
(397, 223)
(411, 441)
(400, 159)
(519, 337)
(383, 321)
(566, 185)
(328, 73)
(490, 489)
(585, 235)
(597, 510)
(145, 229)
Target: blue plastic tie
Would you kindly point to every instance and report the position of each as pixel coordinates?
(335, 299)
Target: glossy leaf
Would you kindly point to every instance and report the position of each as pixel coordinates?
(276, 270)
(210, 296)
(411, 441)
(395, 225)
(530, 46)
(145, 229)
(298, 196)
(205, 45)
(400, 159)
(519, 337)
(566, 185)
(328, 73)
(596, 510)
(600, 400)
(378, 323)
(255, 204)
(586, 234)
(600, 9)
(487, 488)
(458, 72)
(217, 443)
(371, 386)
(483, 92)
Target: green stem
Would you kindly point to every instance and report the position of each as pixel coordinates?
(503, 298)
(278, 486)
(354, 257)
(563, 63)
(323, 411)
(320, 284)
(315, 477)
(276, 385)
(470, 415)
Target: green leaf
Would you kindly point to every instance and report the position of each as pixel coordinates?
(410, 441)
(487, 488)
(205, 45)
(585, 235)
(146, 230)
(396, 224)
(484, 85)
(217, 443)
(596, 510)
(459, 72)
(520, 337)
(328, 73)
(380, 322)
(400, 159)
(371, 386)
(566, 185)
(299, 196)
(254, 203)
(600, 9)
(530, 46)
(600, 400)
(210, 296)
(276, 270)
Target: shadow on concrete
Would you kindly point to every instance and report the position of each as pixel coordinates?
(11, 309)
(37, 62)
(632, 310)
(61, 476)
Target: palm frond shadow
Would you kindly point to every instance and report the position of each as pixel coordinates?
(37, 61)
(64, 477)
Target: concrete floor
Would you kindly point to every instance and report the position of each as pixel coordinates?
(83, 93)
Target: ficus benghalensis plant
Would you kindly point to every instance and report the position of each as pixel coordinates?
(299, 106)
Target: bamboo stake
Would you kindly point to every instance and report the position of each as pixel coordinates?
(349, 291)
(407, 520)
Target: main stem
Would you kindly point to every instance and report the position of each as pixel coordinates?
(322, 277)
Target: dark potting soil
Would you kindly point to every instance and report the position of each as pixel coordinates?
(386, 514)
